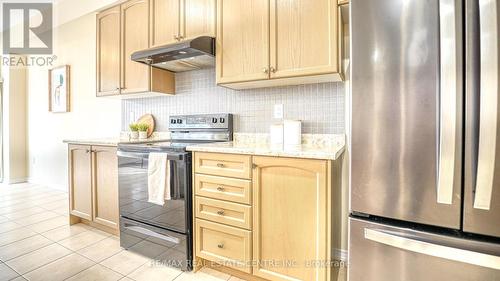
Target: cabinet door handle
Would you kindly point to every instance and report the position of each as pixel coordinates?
(220, 188)
(87, 151)
(220, 212)
(220, 245)
(265, 70)
(220, 165)
(273, 70)
(176, 37)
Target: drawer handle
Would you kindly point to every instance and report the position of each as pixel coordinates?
(220, 246)
(220, 165)
(220, 188)
(220, 213)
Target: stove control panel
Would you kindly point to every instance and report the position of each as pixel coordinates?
(201, 121)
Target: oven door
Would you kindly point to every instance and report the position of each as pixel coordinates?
(133, 191)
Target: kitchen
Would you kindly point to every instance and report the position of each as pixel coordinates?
(255, 140)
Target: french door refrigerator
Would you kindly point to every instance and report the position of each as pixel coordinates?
(425, 169)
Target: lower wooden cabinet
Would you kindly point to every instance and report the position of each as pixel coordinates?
(93, 185)
(290, 218)
(228, 245)
(80, 181)
(289, 232)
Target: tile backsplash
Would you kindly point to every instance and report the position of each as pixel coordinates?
(319, 106)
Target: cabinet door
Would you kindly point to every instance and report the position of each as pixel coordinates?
(105, 186)
(135, 37)
(80, 184)
(242, 40)
(108, 52)
(198, 18)
(290, 218)
(164, 22)
(304, 38)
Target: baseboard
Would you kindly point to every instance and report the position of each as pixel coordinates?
(339, 254)
(14, 181)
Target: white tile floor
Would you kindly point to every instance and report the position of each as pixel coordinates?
(37, 243)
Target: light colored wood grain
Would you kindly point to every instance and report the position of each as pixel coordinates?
(135, 37)
(290, 202)
(313, 79)
(220, 164)
(231, 271)
(165, 18)
(198, 18)
(223, 188)
(108, 52)
(242, 44)
(343, 2)
(162, 81)
(80, 184)
(198, 262)
(304, 38)
(228, 245)
(105, 186)
(224, 212)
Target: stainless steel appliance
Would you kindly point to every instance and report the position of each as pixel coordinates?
(425, 178)
(187, 55)
(164, 233)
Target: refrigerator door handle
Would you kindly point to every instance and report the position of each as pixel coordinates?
(450, 100)
(488, 99)
(422, 247)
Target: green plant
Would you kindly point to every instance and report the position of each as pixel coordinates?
(142, 127)
(134, 127)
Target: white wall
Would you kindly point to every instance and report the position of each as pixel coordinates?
(74, 45)
(14, 125)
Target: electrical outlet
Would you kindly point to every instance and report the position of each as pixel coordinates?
(278, 111)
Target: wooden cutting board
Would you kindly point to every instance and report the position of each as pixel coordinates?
(150, 120)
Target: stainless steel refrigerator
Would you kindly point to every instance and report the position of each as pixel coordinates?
(425, 170)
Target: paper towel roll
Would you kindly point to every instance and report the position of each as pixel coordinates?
(276, 134)
(292, 132)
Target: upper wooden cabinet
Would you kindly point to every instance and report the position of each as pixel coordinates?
(242, 40)
(135, 37)
(271, 43)
(108, 52)
(304, 38)
(165, 22)
(121, 31)
(290, 201)
(198, 18)
(177, 20)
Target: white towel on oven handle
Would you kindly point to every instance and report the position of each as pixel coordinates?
(158, 178)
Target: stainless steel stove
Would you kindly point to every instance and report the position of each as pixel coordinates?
(164, 233)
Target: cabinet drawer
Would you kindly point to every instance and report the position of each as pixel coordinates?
(229, 189)
(224, 244)
(224, 212)
(228, 165)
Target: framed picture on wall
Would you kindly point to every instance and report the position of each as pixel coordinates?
(59, 90)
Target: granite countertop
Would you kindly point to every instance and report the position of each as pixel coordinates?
(308, 149)
(123, 138)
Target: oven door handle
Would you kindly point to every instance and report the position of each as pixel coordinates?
(151, 233)
(142, 155)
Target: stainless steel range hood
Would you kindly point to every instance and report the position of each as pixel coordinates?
(188, 55)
